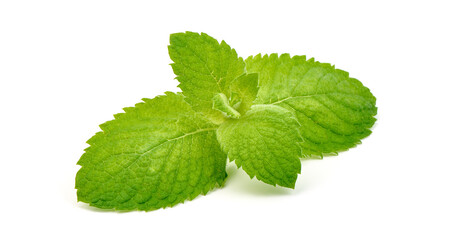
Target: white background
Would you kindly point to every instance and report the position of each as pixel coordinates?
(68, 66)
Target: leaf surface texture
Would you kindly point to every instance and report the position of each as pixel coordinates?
(335, 111)
(265, 143)
(156, 154)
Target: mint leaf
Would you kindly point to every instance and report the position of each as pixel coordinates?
(155, 155)
(221, 103)
(334, 110)
(243, 91)
(204, 68)
(265, 143)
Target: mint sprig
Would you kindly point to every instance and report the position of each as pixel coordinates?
(264, 113)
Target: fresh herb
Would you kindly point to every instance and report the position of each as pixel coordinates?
(264, 113)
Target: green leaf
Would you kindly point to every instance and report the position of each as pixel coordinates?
(243, 91)
(265, 143)
(334, 110)
(204, 68)
(221, 104)
(156, 154)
